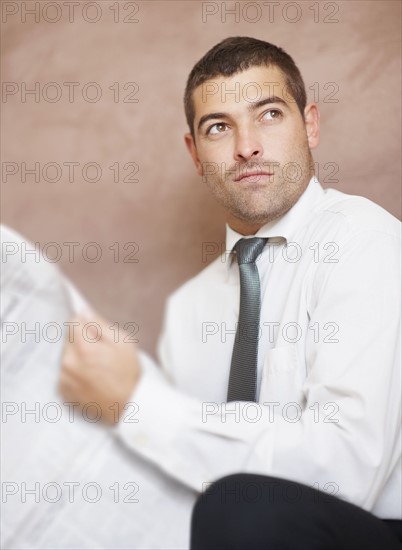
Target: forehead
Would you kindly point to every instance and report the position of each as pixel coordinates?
(241, 89)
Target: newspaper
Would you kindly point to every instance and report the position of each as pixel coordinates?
(67, 481)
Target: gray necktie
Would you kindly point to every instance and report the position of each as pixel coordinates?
(243, 369)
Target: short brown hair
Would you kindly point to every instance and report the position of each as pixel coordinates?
(236, 54)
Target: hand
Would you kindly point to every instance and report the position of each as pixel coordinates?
(96, 369)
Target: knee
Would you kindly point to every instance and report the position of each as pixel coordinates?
(244, 510)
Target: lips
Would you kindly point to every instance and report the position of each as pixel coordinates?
(253, 176)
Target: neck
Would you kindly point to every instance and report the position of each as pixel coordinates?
(242, 227)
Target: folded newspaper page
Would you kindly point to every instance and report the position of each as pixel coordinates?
(67, 482)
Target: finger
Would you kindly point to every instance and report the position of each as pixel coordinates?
(68, 356)
(87, 336)
(67, 387)
(88, 316)
(87, 313)
(95, 328)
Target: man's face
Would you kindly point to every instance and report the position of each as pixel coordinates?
(252, 146)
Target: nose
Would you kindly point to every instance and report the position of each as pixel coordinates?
(247, 146)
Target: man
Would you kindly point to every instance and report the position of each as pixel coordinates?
(288, 399)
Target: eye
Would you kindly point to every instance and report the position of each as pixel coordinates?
(272, 114)
(217, 128)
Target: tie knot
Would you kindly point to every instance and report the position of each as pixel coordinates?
(248, 250)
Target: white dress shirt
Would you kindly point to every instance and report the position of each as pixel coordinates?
(329, 379)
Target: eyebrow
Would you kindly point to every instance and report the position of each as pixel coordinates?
(251, 107)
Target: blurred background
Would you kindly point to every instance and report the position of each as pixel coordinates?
(94, 163)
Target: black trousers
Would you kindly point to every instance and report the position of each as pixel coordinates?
(253, 512)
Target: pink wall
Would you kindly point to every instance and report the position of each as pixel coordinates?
(168, 212)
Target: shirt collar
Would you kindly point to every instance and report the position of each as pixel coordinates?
(287, 225)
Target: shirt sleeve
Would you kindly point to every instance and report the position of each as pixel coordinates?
(352, 453)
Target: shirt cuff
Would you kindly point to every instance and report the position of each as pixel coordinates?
(153, 420)
(144, 424)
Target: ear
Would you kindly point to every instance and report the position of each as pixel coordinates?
(188, 138)
(312, 123)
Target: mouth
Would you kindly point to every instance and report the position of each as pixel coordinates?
(253, 177)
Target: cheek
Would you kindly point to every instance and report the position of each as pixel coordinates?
(216, 153)
(277, 148)
(286, 143)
